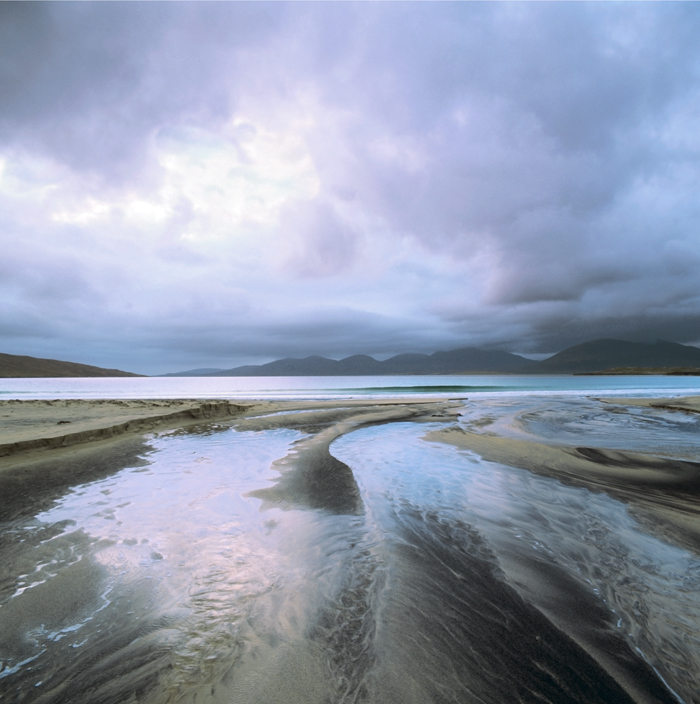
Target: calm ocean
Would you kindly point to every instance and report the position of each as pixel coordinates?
(341, 387)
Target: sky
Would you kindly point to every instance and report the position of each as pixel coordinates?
(189, 185)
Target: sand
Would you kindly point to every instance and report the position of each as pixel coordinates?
(32, 426)
(689, 404)
(50, 446)
(665, 493)
(29, 428)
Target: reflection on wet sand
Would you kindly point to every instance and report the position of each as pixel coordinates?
(360, 553)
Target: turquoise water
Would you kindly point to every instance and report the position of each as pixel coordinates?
(343, 387)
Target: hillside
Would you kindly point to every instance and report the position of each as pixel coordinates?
(462, 361)
(602, 355)
(14, 366)
(596, 356)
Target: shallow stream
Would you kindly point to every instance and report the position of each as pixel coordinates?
(453, 580)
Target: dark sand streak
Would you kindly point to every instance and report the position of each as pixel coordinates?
(310, 477)
(453, 617)
(440, 623)
(664, 493)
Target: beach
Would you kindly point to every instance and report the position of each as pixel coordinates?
(378, 550)
(35, 426)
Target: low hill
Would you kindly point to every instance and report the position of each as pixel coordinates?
(14, 366)
(462, 361)
(602, 355)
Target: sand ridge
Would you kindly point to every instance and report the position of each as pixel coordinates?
(665, 490)
(689, 404)
(664, 493)
(35, 426)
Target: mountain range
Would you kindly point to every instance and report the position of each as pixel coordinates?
(452, 362)
(601, 355)
(588, 357)
(595, 356)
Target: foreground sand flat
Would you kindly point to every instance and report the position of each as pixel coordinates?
(466, 575)
(662, 492)
(27, 426)
(665, 492)
(38, 425)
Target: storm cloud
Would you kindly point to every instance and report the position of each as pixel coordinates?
(213, 184)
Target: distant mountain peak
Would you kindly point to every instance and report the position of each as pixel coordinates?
(607, 353)
(460, 361)
(591, 356)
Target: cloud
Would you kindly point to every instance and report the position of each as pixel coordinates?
(191, 183)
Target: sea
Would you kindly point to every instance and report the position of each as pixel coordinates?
(339, 387)
(152, 571)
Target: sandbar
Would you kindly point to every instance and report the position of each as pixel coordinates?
(38, 425)
(688, 404)
(29, 428)
(663, 492)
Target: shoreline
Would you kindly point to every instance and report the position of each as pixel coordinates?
(36, 425)
(36, 429)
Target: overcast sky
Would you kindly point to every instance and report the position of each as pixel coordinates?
(192, 184)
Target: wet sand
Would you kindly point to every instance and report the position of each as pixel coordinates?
(665, 491)
(35, 426)
(688, 404)
(348, 567)
(662, 492)
(31, 426)
(40, 458)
